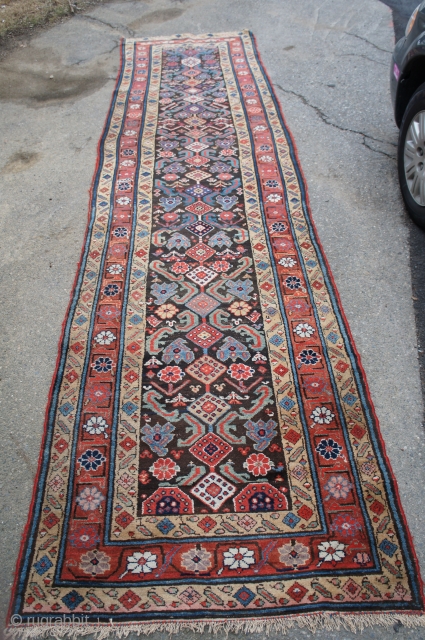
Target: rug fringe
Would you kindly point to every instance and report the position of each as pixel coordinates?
(313, 622)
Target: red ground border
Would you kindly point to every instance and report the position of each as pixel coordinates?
(347, 328)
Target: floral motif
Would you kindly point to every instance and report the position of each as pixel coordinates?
(258, 464)
(108, 312)
(287, 262)
(292, 282)
(240, 371)
(140, 562)
(261, 432)
(180, 267)
(240, 288)
(338, 487)
(170, 374)
(166, 311)
(274, 197)
(332, 551)
(163, 291)
(91, 459)
(197, 559)
(102, 364)
(105, 337)
(164, 469)
(294, 554)
(346, 525)
(309, 357)
(96, 426)
(158, 437)
(123, 200)
(115, 269)
(322, 415)
(95, 562)
(84, 537)
(221, 266)
(315, 385)
(329, 449)
(239, 308)
(304, 330)
(90, 499)
(98, 393)
(126, 481)
(238, 558)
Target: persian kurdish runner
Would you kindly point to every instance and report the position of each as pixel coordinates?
(211, 455)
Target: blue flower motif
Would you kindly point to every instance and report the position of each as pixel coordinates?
(292, 282)
(163, 291)
(240, 288)
(272, 184)
(174, 167)
(158, 437)
(220, 239)
(72, 600)
(42, 565)
(170, 202)
(120, 232)
(177, 351)
(111, 290)
(329, 449)
(91, 459)
(277, 226)
(261, 432)
(178, 241)
(102, 365)
(232, 349)
(227, 202)
(220, 167)
(309, 357)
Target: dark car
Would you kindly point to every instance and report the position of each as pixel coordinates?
(408, 96)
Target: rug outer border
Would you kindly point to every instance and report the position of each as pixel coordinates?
(283, 623)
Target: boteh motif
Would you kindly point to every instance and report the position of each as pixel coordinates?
(210, 447)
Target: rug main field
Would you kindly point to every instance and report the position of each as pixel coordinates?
(211, 454)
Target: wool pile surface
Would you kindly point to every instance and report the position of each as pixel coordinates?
(211, 456)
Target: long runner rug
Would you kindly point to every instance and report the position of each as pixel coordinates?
(211, 456)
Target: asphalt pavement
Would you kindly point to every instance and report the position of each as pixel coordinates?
(329, 62)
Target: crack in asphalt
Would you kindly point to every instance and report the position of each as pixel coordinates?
(354, 35)
(121, 28)
(327, 121)
(361, 55)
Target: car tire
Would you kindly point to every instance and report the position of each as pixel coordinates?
(412, 159)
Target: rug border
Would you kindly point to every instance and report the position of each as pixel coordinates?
(329, 620)
(365, 383)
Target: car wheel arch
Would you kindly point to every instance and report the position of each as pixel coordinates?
(413, 77)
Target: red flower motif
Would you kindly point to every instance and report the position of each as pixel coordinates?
(170, 374)
(144, 477)
(164, 469)
(316, 385)
(258, 464)
(240, 371)
(180, 267)
(221, 265)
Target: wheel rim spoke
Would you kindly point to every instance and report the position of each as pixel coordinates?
(414, 158)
